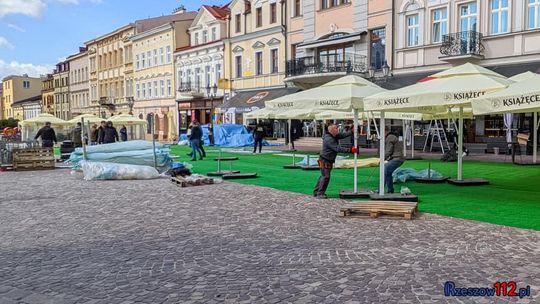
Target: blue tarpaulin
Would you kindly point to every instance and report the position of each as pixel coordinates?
(402, 175)
(228, 136)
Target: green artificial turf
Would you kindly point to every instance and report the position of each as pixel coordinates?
(512, 198)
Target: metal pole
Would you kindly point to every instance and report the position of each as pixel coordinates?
(82, 138)
(460, 145)
(290, 134)
(381, 155)
(154, 139)
(355, 132)
(535, 134)
(412, 139)
(404, 126)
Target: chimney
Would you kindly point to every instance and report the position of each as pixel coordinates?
(179, 10)
(82, 49)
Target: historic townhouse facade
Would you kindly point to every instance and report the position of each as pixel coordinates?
(110, 82)
(503, 35)
(47, 94)
(255, 54)
(155, 88)
(61, 91)
(17, 88)
(199, 67)
(79, 89)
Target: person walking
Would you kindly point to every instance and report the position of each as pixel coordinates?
(393, 153)
(93, 135)
(110, 135)
(48, 136)
(101, 132)
(327, 158)
(258, 135)
(211, 134)
(123, 133)
(195, 139)
(76, 135)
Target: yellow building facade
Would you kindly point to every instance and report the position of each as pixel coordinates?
(16, 88)
(47, 95)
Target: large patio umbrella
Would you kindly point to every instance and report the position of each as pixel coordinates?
(38, 121)
(520, 97)
(87, 118)
(344, 94)
(444, 91)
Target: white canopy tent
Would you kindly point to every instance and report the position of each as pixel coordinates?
(447, 90)
(520, 97)
(35, 123)
(131, 122)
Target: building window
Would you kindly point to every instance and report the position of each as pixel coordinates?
(214, 36)
(144, 90)
(412, 30)
(161, 58)
(499, 16)
(149, 58)
(273, 16)
(218, 72)
(162, 87)
(274, 61)
(155, 57)
(297, 6)
(238, 64)
(258, 16)
(533, 14)
(378, 47)
(156, 89)
(258, 63)
(198, 78)
(26, 84)
(149, 88)
(143, 61)
(440, 21)
(468, 17)
(205, 36)
(169, 57)
(334, 3)
(237, 23)
(208, 75)
(169, 89)
(196, 42)
(324, 4)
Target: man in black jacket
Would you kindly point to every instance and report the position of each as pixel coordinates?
(258, 136)
(101, 132)
(110, 135)
(195, 139)
(48, 136)
(328, 156)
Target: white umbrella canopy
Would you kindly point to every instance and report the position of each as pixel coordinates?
(42, 119)
(263, 113)
(126, 119)
(87, 118)
(523, 76)
(452, 88)
(343, 94)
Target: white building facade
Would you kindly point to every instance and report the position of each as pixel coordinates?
(79, 86)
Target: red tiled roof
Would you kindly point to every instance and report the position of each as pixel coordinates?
(219, 12)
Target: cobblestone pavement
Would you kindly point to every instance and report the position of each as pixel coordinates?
(64, 240)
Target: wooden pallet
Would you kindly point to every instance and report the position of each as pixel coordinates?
(374, 209)
(182, 182)
(33, 159)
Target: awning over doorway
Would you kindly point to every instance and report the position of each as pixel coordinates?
(247, 101)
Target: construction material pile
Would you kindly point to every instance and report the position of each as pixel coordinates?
(135, 152)
(112, 171)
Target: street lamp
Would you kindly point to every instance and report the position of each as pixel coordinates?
(211, 92)
(385, 69)
(386, 72)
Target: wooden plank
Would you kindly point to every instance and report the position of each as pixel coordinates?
(376, 209)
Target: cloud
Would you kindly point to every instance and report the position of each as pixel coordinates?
(32, 8)
(5, 43)
(16, 27)
(18, 68)
(76, 2)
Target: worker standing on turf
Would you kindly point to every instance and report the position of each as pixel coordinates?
(393, 153)
(329, 151)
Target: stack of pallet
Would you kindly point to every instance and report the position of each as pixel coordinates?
(191, 180)
(374, 209)
(33, 159)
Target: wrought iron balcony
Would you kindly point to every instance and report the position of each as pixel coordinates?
(190, 88)
(350, 63)
(462, 44)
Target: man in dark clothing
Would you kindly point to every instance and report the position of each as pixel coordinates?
(211, 134)
(48, 136)
(110, 135)
(123, 133)
(101, 132)
(258, 135)
(93, 135)
(76, 135)
(195, 138)
(327, 158)
(393, 153)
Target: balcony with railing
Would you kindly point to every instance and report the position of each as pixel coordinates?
(189, 91)
(462, 45)
(312, 71)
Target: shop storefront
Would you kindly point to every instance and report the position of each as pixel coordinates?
(202, 110)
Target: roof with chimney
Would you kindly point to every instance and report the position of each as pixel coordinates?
(144, 25)
(219, 12)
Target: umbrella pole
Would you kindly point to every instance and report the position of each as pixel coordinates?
(355, 132)
(289, 132)
(460, 145)
(82, 138)
(404, 127)
(381, 155)
(154, 140)
(535, 139)
(412, 139)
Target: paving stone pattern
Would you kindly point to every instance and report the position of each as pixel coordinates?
(64, 240)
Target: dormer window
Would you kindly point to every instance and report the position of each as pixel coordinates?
(196, 41)
(205, 36)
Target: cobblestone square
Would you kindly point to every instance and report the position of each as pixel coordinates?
(64, 240)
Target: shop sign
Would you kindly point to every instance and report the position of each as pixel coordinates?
(257, 97)
(184, 106)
